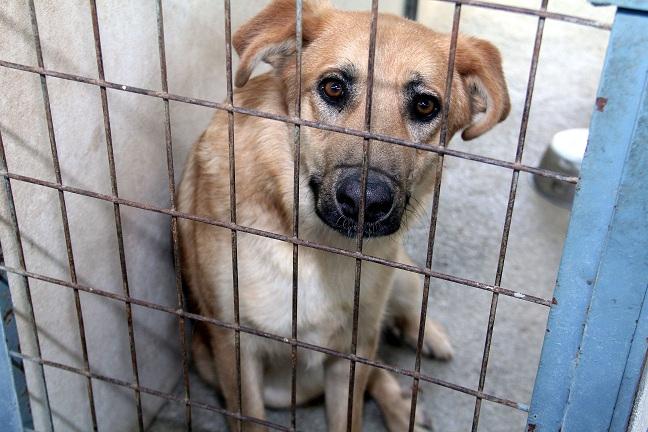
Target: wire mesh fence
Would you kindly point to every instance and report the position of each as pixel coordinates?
(180, 311)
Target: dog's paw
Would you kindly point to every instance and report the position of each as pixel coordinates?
(400, 416)
(423, 422)
(436, 342)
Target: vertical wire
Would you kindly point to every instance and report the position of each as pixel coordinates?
(64, 214)
(116, 210)
(509, 214)
(232, 193)
(21, 262)
(443, 142)
(366, 151)
(174, 220)
(295, 269)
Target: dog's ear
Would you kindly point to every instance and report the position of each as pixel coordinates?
(480, 65)
(270, 35)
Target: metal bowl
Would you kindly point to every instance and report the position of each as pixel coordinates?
(564, 155)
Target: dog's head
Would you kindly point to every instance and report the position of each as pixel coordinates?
(411, 64)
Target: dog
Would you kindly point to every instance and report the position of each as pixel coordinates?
(411, 64)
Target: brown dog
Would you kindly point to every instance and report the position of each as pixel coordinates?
(410, 74)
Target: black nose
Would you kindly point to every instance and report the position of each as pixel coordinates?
(379, 199)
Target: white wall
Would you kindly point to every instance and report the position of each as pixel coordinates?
(196, 67)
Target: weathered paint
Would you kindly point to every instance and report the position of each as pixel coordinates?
(633, 199)
(589, 367)
(626, 4)
(617, 300)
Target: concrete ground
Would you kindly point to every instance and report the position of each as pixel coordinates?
(471, 216)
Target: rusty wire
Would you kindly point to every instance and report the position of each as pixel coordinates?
(541, 13)
(174, 220)
(116, 209)
(180, 312)
(63, 209)
(293, 120)
(255, 332)
(509, 212)
(142, 389)
(13, 220)
(443, 142)
(366, 154)
(283, 238)
(232, 203)
(299, 9)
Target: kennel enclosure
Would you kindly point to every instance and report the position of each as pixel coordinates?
(595, 343)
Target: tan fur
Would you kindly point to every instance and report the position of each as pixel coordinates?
(264, 200)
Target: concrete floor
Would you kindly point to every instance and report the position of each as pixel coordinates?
(471, 216)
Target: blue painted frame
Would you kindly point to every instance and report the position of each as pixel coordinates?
(10, 417)
(597, 332)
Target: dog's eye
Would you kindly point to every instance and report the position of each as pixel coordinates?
(333, 90)
(425, 107)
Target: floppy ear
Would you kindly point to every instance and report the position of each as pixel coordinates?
(270, 35)
(480, 65)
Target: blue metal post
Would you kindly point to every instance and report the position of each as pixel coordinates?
(10, 341)
(9, 409)
(597, 332)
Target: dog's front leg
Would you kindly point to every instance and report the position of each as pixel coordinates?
(337, 388)
(224, 354)
(405, 307)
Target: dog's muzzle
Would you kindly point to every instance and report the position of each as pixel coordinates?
(340, 207)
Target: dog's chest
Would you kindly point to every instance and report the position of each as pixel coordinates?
(324, 293)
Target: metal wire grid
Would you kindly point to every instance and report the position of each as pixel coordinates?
(296, 120)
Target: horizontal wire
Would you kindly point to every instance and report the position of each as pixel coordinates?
(143, 389)
(284, 238)
(534, 12)
(516, 166)
(266, 335)
(294, 120)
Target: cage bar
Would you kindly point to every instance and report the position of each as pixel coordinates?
(288, 239)
(366, 153)
(232, 195)
(542, 13)
(509, 211)
(116, 209)
(63, 209)
(299, 7)
(174, 220)
(143, 389)
(270, 336)
(443, 142)
(15, 228)
(297, 122)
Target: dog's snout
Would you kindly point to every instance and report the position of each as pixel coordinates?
(378, 202)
